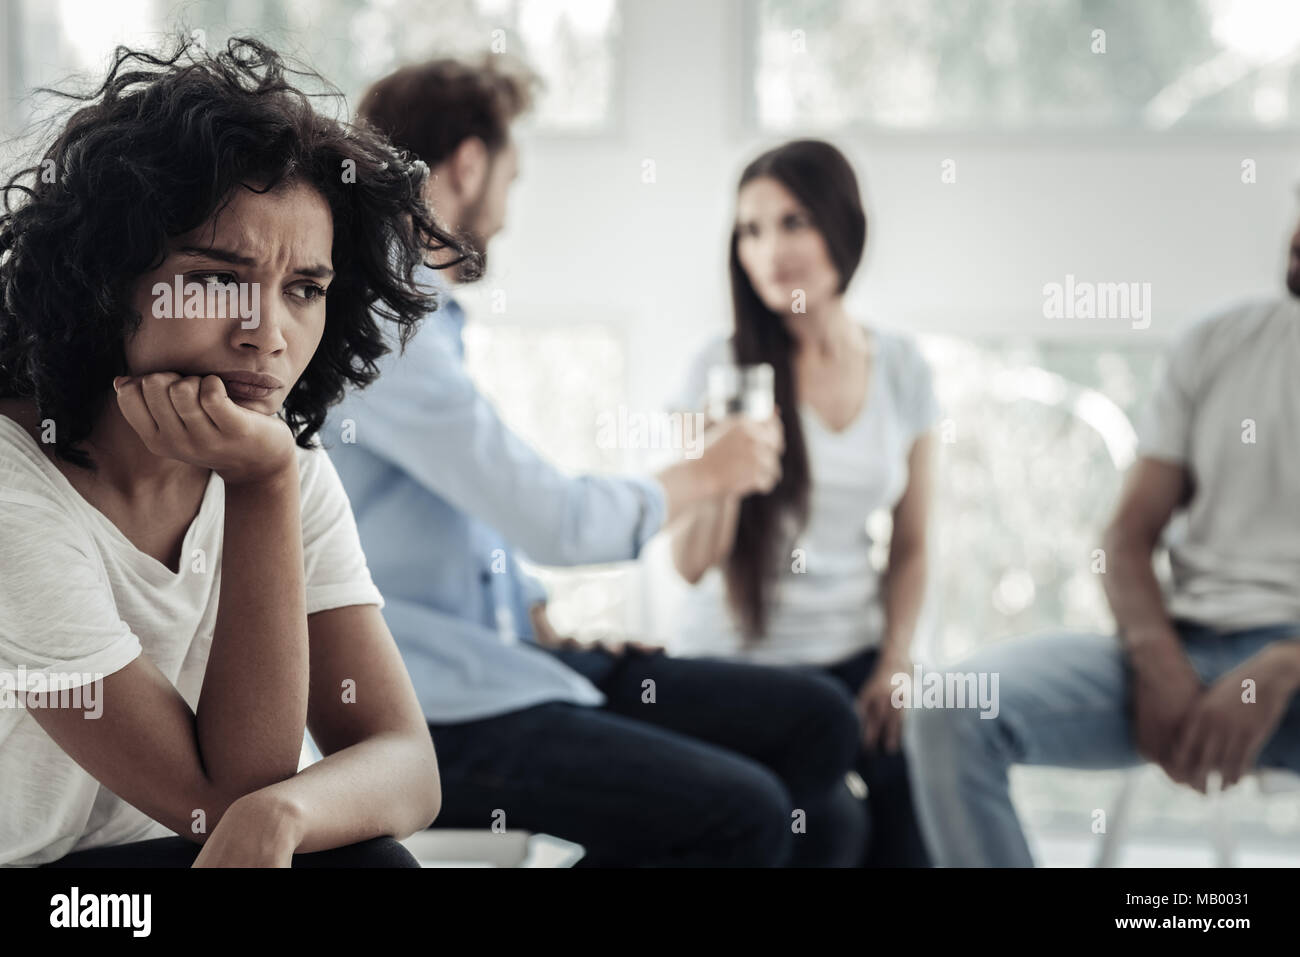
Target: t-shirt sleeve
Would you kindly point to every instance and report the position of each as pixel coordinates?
(920, 404)
(1165, 423)
(58, 617)
(334, 563)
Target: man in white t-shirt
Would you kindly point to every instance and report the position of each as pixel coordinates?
(1202, 680)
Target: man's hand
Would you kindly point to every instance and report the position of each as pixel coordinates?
(742, 456)
(1165, 687)
(258, 830)
(882, 723)
(615, 646)
(193, 419)
(1226, 729)
(547, 637)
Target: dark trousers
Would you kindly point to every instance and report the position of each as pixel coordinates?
(895, 839)
(179, 852)
(689, 762)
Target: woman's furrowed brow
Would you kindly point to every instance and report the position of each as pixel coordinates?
(221, 255)
(238, 259)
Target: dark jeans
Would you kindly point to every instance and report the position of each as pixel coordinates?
(179, 852)
(713, 771)
(896, 839)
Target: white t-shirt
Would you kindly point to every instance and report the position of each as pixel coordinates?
(1227, 407)
(827, 604)
(78, 599)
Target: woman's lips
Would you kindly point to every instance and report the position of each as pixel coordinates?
(248, 384)
(243, 390)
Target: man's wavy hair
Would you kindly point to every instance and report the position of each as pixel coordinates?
(155, 152)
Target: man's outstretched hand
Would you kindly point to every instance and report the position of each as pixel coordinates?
(547, 637)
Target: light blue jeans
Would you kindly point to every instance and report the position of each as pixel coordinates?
(1063, 702)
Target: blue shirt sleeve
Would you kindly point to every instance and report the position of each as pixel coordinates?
(425, 415)
(529, 590)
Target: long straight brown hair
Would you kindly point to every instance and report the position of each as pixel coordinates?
(822, 180)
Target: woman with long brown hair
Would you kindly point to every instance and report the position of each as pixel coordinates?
(799, 565)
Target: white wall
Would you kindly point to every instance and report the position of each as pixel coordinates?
(588, 239)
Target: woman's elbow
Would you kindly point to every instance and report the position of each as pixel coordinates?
(690, 571)
(432, 807)
(435, 790)
(424, 808)
(419, 785)
(431, 790)
(689, 574)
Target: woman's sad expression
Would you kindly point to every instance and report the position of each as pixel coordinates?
(241, 297)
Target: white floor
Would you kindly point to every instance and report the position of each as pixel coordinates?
(1075, 852)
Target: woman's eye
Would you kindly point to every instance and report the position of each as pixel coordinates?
(224, 278)
(795, 222)
(308, 291)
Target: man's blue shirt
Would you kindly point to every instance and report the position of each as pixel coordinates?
(432, 474)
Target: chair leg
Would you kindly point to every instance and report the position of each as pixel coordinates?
(1117, 822)
(1225, 850)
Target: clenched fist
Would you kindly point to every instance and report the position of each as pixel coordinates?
(193, 419)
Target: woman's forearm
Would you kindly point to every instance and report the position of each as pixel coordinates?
(904, 594)
(252, 710)
(385, 785)
(704, 537)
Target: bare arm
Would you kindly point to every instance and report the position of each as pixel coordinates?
(1165, 686)
(148, 747)
(904, 586)
(1190, 730)
(144, 748)
(742, 456)
(903, 592)
(1152, 491)
(252, 711)
(703, 537)
(379, 775)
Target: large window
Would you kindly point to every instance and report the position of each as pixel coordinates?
(573, 44)
(1025, 64)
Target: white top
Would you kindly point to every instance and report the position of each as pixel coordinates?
(1225, 406)
(78, 600)
(827, 604)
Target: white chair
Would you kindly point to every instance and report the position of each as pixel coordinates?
(1118, 823)
(451, 847)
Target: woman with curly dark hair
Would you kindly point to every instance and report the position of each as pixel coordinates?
(189, 278)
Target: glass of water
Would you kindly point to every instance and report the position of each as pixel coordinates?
(741, 390)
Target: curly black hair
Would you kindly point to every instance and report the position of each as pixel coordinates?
(155, 153)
